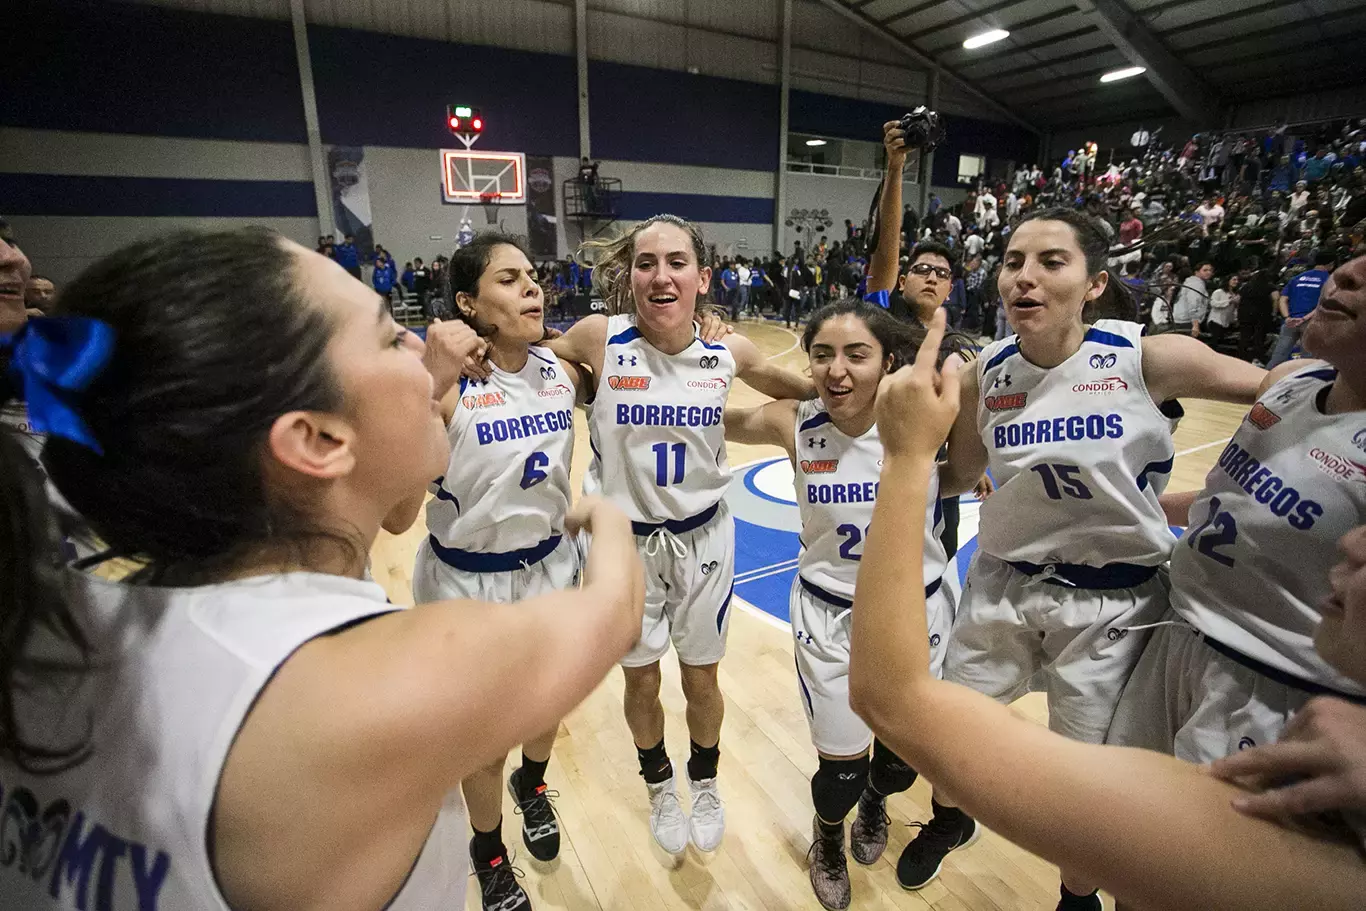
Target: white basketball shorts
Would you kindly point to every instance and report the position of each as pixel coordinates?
(434, 580)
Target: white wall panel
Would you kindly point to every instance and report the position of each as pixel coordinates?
(627, 39)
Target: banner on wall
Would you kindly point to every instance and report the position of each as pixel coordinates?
(351, 197)
(541, 222)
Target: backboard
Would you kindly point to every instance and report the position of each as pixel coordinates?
(471, 176)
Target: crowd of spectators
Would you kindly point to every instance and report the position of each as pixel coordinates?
(1227, 238)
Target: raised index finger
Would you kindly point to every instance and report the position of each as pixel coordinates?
(927, 357)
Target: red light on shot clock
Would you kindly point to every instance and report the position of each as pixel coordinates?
(478, 124)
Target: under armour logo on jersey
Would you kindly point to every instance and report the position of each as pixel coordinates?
(547, 373)
(708, 567)
(1002, 380)
(804, 637)
(1246, 743)
(709, 362)
(816, 442)
(1115, 633)
(1102, 361)
(621, 360)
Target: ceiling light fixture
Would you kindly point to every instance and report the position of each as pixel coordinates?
(815, 142)
(1126, 73)
(982, 40)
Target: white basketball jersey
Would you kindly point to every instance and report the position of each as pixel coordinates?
(837, 482)
(177, 671)
(1252, 568)
(1079, 454)
(14, 415)
(507, 484)
(659, 445)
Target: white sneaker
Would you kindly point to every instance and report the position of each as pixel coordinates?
(668, 822)
(708, 816)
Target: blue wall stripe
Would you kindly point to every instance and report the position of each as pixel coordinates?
(744, 210)
(62, 194)
(643, 114)
(376, 89)
(124, 68)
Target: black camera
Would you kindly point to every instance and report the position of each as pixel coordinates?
(923, 128)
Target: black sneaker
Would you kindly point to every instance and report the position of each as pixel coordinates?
(540, 828)
(498, 886)
(829, 869)
(868, 834)
(921, 860)
(1071, 902)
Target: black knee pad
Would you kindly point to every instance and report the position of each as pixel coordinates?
(836, 786)
(889, 775)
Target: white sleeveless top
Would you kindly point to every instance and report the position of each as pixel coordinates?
(1252, 568)
(14, 415)
(837, 482)
(512, 437)
(659, 444)
(127, 829)
(1079, 454)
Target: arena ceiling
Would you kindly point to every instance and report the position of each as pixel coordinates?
(1201, 55)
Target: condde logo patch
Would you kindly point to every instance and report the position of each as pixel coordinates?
(1108, 384)
(1336, 466)
(628, 382)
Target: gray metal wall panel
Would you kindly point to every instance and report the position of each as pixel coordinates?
(99, 154)
(60, 247)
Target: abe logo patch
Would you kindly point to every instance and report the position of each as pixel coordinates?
(1103, 361)
(483, 400)
(819, 466)
(1262, 417)
(1012, 402)
(628, 382)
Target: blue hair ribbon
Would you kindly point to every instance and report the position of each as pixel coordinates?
(54, 359)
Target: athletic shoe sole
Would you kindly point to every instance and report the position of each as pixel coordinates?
(972, 840)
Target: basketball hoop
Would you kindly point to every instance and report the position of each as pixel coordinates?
(489, 203)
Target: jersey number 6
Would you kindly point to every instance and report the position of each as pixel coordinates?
(534, 471)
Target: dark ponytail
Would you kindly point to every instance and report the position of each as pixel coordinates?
(214, 341)
(32, 599)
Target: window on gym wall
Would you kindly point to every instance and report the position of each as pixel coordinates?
(811, 154)
(971, 167)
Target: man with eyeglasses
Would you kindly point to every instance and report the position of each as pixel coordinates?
(925, 284)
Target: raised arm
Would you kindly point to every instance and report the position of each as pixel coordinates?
(584, 343)
(885, 260)
(1176, 366)
(771, 423)
(764, 375)
(967, 457)
(1154, 831)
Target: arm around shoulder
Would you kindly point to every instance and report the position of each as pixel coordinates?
(771, 423)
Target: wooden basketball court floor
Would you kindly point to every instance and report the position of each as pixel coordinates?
(608, 859)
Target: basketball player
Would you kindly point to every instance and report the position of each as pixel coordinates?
(1156, 832)
(15, 270)
(1250, 575)
(1072, 542)
(244, 721)
(659, 452)
(835, 453)
(497, 522)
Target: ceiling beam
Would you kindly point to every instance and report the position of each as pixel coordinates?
(962, 20)
(1173, 79)
(919, 57)
(954, 47)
